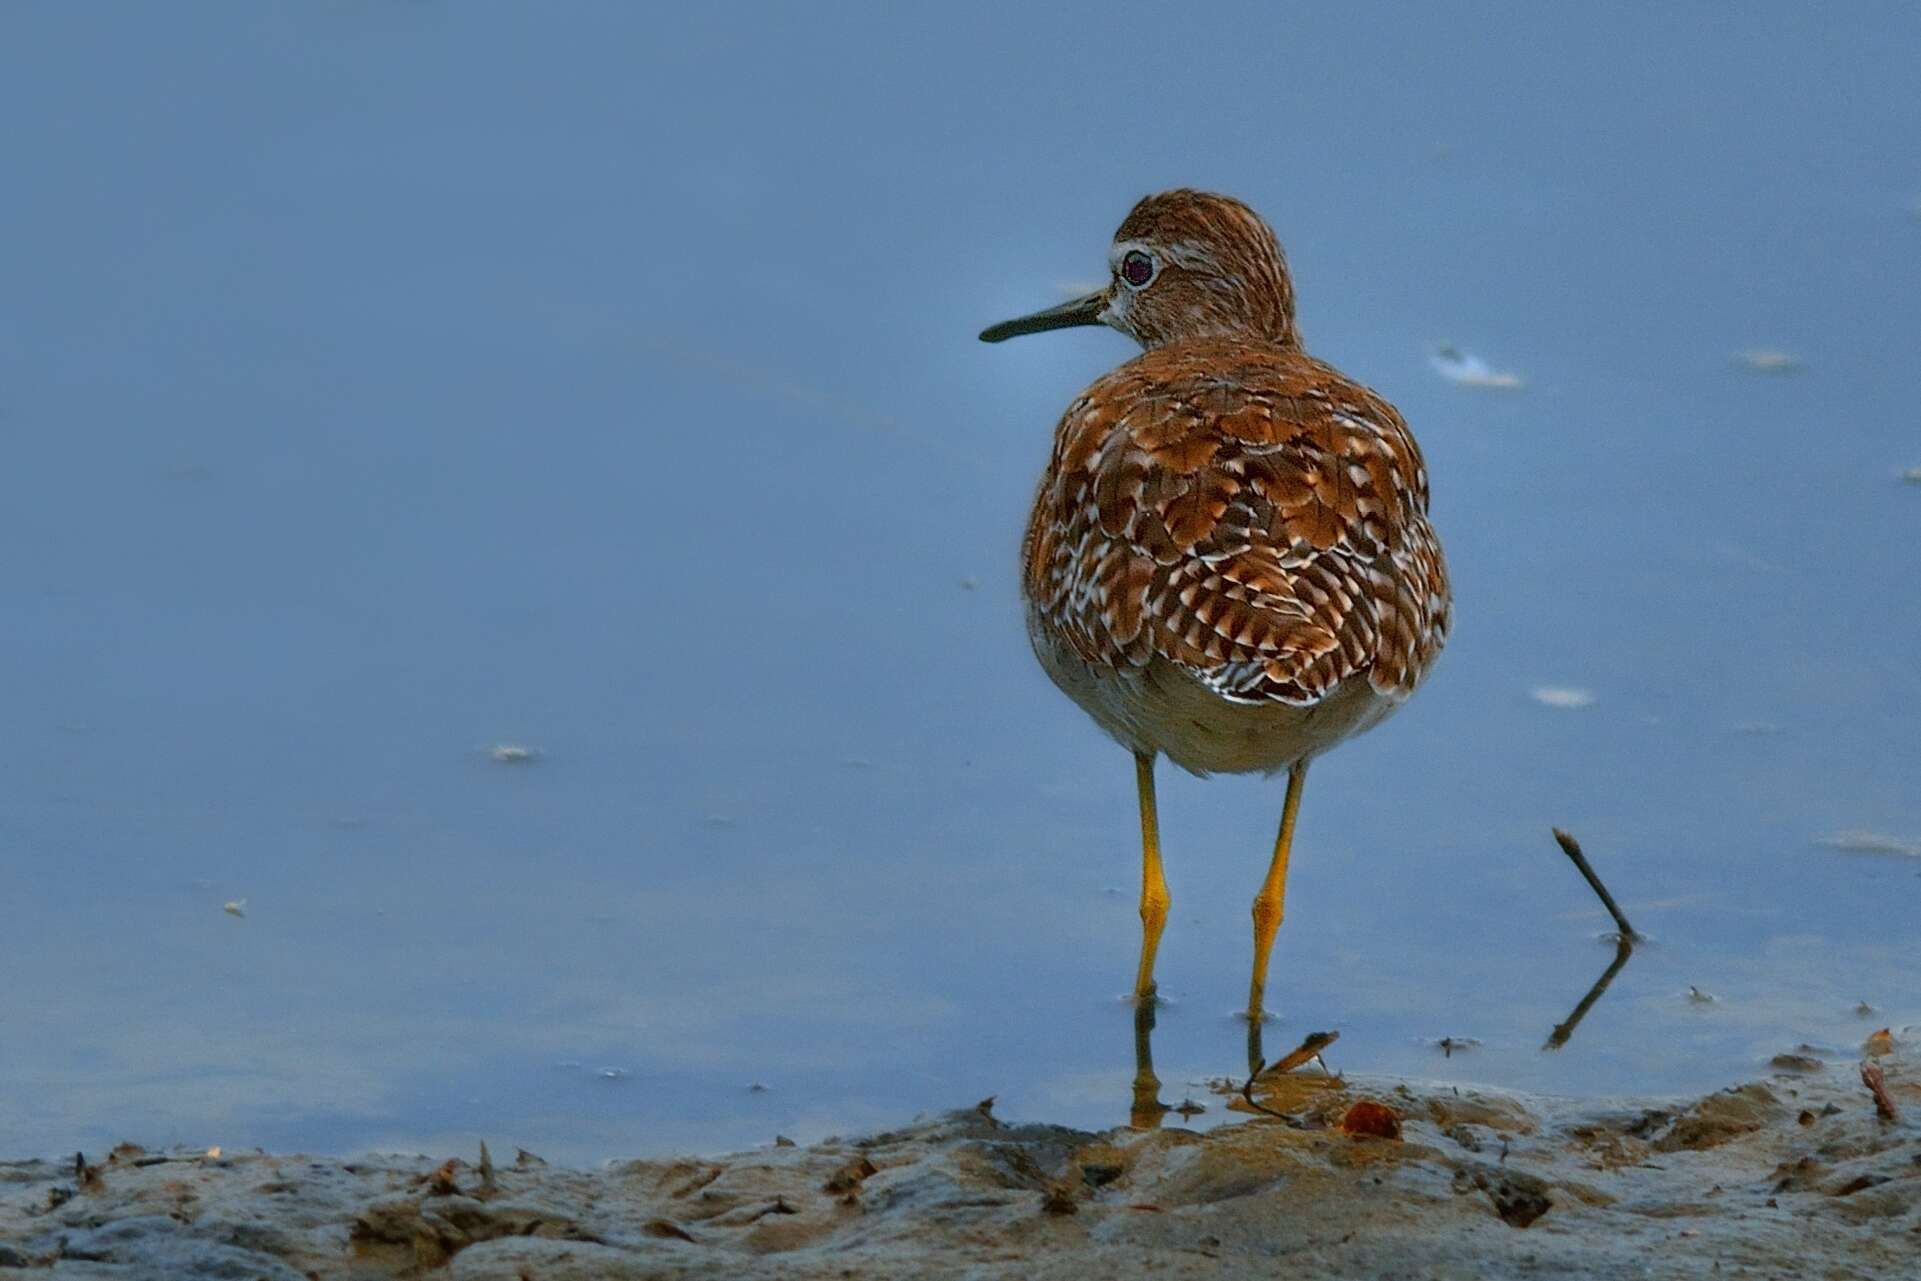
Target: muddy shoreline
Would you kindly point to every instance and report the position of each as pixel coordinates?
(1799, 1173)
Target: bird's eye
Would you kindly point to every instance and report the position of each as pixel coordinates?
(1137, 268)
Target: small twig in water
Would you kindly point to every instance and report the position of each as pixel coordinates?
(1572, 848)
(1877, 1084)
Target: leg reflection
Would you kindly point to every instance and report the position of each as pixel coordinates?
(1148, 1109)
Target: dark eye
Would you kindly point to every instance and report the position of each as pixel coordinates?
(1137, 268)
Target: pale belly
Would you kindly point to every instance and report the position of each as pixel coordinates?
(1162, 709)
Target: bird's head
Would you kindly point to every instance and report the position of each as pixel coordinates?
(1184, 264)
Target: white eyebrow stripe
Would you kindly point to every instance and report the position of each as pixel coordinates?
(1188, 254)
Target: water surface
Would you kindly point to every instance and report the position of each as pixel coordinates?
(383, 383)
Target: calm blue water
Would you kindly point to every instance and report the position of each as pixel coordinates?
(383, 382)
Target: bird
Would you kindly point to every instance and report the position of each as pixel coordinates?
(1229, 562)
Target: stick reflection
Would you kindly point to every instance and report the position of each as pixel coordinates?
(1623, 949)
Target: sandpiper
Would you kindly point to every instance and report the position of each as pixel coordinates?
(1229, 562)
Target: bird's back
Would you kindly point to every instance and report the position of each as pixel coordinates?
(1243, 515)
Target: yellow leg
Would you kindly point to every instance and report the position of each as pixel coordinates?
(1154, 897)
(1270, 903)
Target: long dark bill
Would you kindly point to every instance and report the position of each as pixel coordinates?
(1082, 311)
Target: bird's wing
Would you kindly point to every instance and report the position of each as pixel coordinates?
(1261, 521)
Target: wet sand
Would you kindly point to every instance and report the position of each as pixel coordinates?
(1796, 1173)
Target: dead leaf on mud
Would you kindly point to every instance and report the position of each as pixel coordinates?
(1368, 1119)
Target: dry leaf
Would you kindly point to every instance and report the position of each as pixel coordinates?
(1373, 1120)
(1309, 1048)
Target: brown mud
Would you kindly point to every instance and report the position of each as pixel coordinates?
(1798, 1173)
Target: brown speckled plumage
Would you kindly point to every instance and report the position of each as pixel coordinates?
(1227, 504)
(1245, 512)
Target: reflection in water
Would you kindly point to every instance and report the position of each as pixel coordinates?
(1147, 1111)
(1623, 949)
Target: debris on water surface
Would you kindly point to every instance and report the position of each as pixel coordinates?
(613, 1074)
(1447, 1045)
(1912, 475)
(1697, 997)
(1858, 840)
(1565, 696)
(1767, 360)
(1879, 1044)
(1468, 370)
(969, 583)
(512, 753)
(235, 907)
(1863, 1010)
(757, 1088)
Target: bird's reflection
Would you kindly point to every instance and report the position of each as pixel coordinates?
(1623, 949)
(1147, 1111)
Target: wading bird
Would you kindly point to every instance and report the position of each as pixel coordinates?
(1229, 561)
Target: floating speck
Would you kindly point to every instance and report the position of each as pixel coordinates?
(511, 753)
(1458, 366)
(234, 907)
(969, 583)
(1447, 1045)
(1189, 1108)
(757, 1088)
(1862, 1010)
(613, 1074)
(1566, 696)
(1912, 475)
(1767, 360)
(1860, 841)
(1697, 997)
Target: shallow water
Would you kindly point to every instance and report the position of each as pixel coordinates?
(385, 383)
